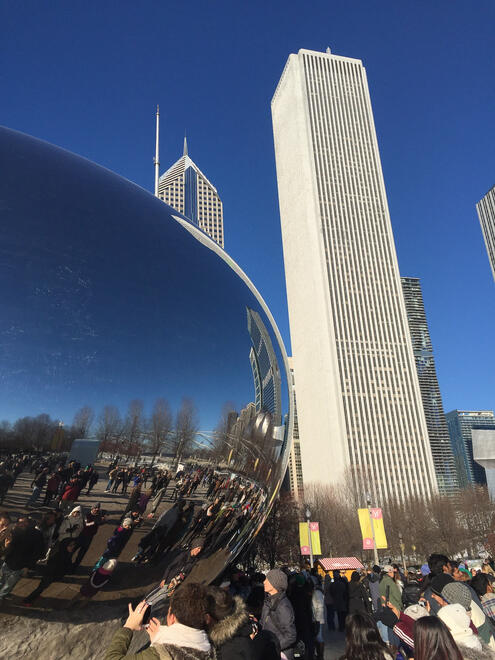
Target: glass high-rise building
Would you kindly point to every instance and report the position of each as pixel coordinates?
(436, 423)
(461, 424)
(359, 404)
(486, 214)
(186, 189)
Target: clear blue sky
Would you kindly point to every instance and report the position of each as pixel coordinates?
(87, 76)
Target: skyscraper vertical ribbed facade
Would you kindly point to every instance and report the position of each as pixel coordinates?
(461, 424)
(358, 397)
(436, 423)
(186, 189)
(486, 214)
(295, 466)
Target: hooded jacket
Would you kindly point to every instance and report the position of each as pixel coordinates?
(231, 635)
(122, 640)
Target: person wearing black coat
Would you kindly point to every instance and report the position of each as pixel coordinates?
(25, 546)
(59, 564)
(358, 597)
(277, 616)
(229, 628)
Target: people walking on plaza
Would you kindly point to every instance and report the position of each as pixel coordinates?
(96, 581)
(92, 481)
(362, 639)
(92, 521)
(70, 495)
(71, 525)
(112, 474)
(339, 592)
(390, 603)
(37, 485)
(117, 542)
(5, 533)
(278, 615)
(374, 586)
(6, 482)
(300, 593)
(25, 546)
(52, 486)
(59, 564)
(329, 604)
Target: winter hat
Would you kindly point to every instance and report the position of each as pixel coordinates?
(128, 522)
(108, 566)
(425, 569)
(96, 506)
(439, 582)
(457, 621)
(388, 568)
(457, 592)
(416, 611)
(278, 579)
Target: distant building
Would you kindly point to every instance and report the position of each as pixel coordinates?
(186, 189)
(294, 468)
(358, 399)
(461, 424)
(264, 364)
(436, 423)
(486, 214)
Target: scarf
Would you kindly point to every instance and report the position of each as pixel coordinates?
(182, 636)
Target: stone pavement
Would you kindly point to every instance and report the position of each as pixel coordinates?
(334, 644)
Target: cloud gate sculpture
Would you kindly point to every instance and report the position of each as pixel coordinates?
(122, 318)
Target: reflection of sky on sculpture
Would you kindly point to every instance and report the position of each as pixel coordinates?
(114, 300)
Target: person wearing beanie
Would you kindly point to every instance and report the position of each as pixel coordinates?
(457, 621)
(277, 615)
(460, 593)
(116, 543)
(433, 595)
(404, 628)
(92, 521)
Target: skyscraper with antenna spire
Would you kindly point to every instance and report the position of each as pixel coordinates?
(185, 188)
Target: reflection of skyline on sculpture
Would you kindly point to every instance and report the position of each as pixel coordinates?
(128, 328)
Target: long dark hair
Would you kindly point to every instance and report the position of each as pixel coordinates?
(432, 639)
(362, 639)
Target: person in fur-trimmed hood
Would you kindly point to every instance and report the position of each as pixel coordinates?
(228, 625)
(183, 638)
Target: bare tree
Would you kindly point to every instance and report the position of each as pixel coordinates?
(83, 419)
(222, 435)
(133, 427)
(109, 428)
(278, 541)
(161, 424)
(186, 427)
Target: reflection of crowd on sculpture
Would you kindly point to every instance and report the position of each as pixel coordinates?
(53, 546)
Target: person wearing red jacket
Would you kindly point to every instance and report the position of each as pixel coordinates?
(51, 488)
(70, 495)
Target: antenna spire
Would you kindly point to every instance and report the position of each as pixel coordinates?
(157, 149)
(185, 145)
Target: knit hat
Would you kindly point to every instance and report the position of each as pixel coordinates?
(198, 542)
(127, 522)
(457, 621)
(439, 582)
(458, 592)
(388, 568)
(416, 611)
(278, 579)
(108, 566)
(96, 506)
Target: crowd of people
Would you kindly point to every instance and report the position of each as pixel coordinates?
(443, 610)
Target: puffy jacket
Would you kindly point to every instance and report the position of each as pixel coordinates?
(278, 617)
(231, 636)
(122, 640)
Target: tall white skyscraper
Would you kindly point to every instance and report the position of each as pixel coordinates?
(185, 188)
(358, 399)
(486, 214)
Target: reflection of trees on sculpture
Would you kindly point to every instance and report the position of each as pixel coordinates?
(186, 427)
(83, 420)
(277, 542)
(223, 432)
(160, 426)
(110, 427)
(133, 427)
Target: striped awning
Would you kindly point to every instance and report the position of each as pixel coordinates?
(340, 563)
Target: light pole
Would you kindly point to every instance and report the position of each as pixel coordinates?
(308, 517)
(375, 551)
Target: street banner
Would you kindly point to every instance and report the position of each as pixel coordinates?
(304, 538)
(367, 532)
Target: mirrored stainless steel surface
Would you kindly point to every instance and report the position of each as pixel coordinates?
(114, 310)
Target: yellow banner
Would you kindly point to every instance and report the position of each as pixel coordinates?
(366, 531)
(304, 538)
